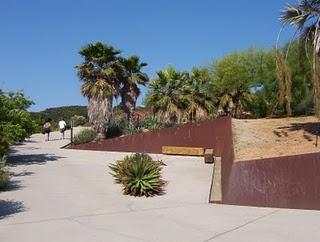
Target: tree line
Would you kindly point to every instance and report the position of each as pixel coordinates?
(251, 83)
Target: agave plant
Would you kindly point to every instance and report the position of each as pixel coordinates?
(120, 169)
(139, 175)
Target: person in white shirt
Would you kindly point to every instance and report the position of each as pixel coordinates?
(62, 127)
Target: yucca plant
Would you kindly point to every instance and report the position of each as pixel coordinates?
(139, 175)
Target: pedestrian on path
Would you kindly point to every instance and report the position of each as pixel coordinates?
(47, 129)
(62, 127)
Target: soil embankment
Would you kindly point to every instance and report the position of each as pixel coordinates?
(266, 138)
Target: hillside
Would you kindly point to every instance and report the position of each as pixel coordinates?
(56, 113)
(265, 138)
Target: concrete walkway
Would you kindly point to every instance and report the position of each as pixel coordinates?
(62, 195)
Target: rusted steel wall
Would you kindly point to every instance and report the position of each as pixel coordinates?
(206, 134)
(284, 182)
(227, 156)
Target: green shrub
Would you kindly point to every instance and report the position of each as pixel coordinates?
(78, 120)
(85, 136)
(4, 173)
(116, 128)
(133, 129)
(151, 123)
(138, 174)
(305, 107)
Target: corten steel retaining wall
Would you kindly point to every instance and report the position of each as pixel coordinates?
(284, 182)
(206, 134)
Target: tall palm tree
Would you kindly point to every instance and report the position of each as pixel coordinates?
(305, 16)
(100, 72)
(165, 99)
(133, 76)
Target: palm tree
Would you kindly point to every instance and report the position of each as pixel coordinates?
(196, 92)
(100, 73)
(235, 101)
(165, 99)
(133, 76)
(305, 16)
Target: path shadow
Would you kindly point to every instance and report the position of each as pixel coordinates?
(34, 159)
(10, 207)
(23, 173)
(13, 185)
(26, 142)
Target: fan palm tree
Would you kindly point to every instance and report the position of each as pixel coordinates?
(196, 92)
(100, 73)
(133, 76)
(165, 99)
(305, 16)
(235, 101)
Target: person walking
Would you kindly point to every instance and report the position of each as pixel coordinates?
(62, 127)
(47, 129)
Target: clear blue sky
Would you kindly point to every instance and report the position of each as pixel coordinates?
(40, 39)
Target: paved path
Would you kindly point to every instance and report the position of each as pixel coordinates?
(62, 195)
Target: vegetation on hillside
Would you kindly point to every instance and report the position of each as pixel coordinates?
(252, 83)
(76, 113)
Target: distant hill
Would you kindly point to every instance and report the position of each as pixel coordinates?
(55, 114)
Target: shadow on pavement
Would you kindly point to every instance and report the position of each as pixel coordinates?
(10, 207)
(23, 173)
(13, 185)
(34, 159)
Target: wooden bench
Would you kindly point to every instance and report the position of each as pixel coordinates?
(178, 150)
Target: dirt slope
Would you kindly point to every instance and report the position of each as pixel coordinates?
(264, 138)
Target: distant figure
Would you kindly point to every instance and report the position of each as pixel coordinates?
(62, 127)
(47, 129)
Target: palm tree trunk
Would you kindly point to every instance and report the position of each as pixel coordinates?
(99, 113)
(128, 103)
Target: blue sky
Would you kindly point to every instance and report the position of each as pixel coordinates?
(40, 39)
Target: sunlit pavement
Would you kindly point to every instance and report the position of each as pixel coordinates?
(64, 195)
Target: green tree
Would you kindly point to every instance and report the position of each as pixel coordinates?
(101, 73)
(132, 77)
(305, 16)
(16, 123)
(234, 75)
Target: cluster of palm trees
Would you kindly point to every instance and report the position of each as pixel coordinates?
(105, 75)
(177, 97)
